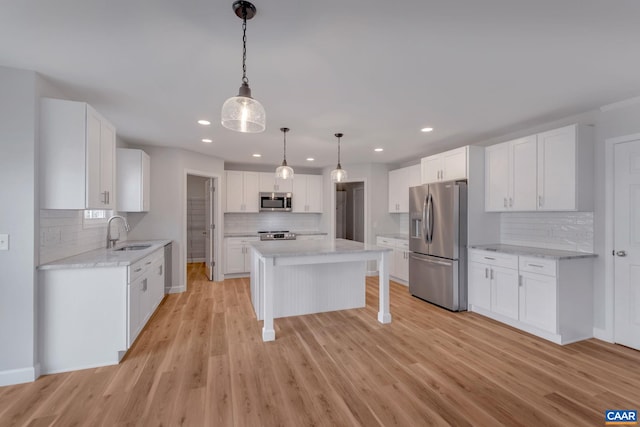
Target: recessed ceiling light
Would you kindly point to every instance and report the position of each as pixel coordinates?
(378, 149)
(310, 159)
(207, 140)
(426, 129)
(204, 122)
(257, 155)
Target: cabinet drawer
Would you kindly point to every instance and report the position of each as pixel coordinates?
(136, 270)
(494, 258)
(385, 241)
(538, 265)
(402, 244)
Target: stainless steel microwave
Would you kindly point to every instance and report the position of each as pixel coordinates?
(275, 202)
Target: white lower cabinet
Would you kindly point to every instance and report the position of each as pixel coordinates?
(399, 260)
(237, 251)
(551, 298)
(90, 317)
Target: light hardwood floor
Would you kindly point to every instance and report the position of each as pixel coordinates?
(201, 362)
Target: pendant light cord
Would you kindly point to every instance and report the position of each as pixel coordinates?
(338, 151)
(244, 45)
(285, 146)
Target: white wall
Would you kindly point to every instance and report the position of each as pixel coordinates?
(18, 191)
(167, 217)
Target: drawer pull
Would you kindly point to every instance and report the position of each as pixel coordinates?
(148, 262)
(137, 269)
(536, 265)
(487, 257)
(486, 273)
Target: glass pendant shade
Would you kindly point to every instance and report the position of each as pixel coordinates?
(242, 113)
(338, 174)
(284, 171)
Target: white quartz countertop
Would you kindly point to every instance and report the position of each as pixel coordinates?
(398, 236)
(255, 233)
(533, 252)
(107, 257)
(289, 248)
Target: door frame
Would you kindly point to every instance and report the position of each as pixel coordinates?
(217, 220)
(607, 334)
(332, 212)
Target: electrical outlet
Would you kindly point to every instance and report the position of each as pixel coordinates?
(4, 242)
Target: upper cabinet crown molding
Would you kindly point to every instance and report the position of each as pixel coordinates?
(134, 180)
(549, 171)
(446, 166)
(77, 157)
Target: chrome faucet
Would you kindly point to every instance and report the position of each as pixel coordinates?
(112, 242)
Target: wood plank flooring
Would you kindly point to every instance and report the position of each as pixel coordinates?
(201, 362)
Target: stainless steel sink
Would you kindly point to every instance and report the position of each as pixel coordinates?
(133, 248)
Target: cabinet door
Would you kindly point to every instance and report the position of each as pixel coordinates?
(107, 164)
(234, 187)
(157, 283)
(557, 169)
(538, 299)
(247, 258)
(395, 187)
(431, 168)
(479, 285)
(496, 158)
(414, 175)
(133, 309)
(401, 264)
(234, 258)
(251, 191)
(146, 182)
(454, 164)
(523, 170)
(267, 182)
(94, 194)
(299, 195)
(314, 193)
(504, 291)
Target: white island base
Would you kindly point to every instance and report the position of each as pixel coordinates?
(291, 278)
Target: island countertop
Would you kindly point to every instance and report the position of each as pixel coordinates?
(293, 248)
(533, 252)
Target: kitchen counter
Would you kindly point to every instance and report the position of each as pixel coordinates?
(255, 234)
(533, 252)
(314, 276)
(398, 236)
(107, 257)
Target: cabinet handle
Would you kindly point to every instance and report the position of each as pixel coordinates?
(488, 257)
(148, 262)
(505, 202)
(144, 285)
(510, 202)
(137, 269)
(519, 279)
(491, 274)
(535, 265)
(108, 197)
(486, 273)
(160, 269)
(540, 201)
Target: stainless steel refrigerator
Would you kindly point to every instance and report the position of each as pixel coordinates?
(438, 243)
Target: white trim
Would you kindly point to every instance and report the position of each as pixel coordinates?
(608, 332)
(332, 210)
(218, 219)
(175, 289)
(19, 376)
(621, 104)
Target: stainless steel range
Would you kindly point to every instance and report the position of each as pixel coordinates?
(277, 235)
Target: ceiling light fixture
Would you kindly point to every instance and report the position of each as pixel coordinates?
(284, 171)
(242, 113)
(378, 149)
(426, 129)
(310, 159)
(207, 140)
(204, 122)
(257, 155)
(338, 174)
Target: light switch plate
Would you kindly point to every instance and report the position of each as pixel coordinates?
(4, 242)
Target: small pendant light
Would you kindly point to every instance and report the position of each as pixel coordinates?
(242, 113)
(338, 174)
(284, 171)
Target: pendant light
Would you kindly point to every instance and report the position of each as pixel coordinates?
(284, 171)
(338, 174)
(242, 113)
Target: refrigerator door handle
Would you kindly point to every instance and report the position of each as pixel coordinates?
(425, 219)
(431, 219)
(430, 260)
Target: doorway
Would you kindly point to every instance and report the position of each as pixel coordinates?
(350, 216)
(201, 229)
(626, 244)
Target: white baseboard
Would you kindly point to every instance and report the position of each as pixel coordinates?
(19, 376)
(175, 290)
(603, 334)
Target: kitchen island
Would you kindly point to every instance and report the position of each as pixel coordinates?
(291, 278)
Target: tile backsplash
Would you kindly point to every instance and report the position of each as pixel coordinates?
(572, 231)
(63, 234)
(252, 222)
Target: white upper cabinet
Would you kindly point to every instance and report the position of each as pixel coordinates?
(511, 175)
(445, 166)
(565, 169)
(269, 183)
(134, 180)
(307, 194)
(77, 157)
(242, 190)
(400, 180)
(550, 171)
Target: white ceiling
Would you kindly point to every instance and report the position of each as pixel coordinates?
(377, 70)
